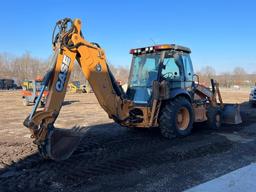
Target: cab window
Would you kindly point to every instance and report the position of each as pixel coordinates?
(188, 67)
(171, 69)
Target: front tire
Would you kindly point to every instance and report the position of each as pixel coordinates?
(176, 118)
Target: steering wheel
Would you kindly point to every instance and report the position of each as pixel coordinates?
(168, 75)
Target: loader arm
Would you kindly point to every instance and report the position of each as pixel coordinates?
(70, 46)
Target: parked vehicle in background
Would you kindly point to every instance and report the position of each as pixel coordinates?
(76, 87)
(31, 90)
(86, 88)
(1, 84)
(252, 97)
(7, 84)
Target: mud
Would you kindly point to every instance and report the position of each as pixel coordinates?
(114, 158)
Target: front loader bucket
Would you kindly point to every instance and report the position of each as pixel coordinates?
(60, 144)
(231, 114)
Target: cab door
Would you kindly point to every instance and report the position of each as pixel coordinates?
(188, 70)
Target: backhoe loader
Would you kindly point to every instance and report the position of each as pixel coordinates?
(162, 91)
(30, 91)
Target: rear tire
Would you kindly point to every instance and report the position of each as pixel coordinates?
(214, 118)
(176, 118)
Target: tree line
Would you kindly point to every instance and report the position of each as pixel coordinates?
(238, 76)
(22, 68)
(27, 67)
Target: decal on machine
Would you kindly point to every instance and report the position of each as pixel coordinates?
(98, 68)
(63, 73)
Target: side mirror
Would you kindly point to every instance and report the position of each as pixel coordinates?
(196, 80)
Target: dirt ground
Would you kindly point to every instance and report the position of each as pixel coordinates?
(114, 158)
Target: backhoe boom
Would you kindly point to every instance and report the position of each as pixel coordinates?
(70, 46)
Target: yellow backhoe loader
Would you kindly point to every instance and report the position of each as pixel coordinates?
(74, 87)
(162, 91)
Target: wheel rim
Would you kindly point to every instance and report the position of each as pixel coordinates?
(218, 120)
(182, 118)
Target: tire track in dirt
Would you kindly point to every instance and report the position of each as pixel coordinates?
(103, 155)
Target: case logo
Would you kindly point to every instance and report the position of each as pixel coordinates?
(63, 73)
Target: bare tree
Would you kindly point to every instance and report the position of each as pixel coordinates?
(27, 67)
(21, 68)
(205, 74)
(120, 73)
(209, 72)
(239, 75)
(225, 79)
(77, 74)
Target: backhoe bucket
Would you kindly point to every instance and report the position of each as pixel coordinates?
(231, 114)
(61, 143)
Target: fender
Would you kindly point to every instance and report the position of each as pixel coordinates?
(180, 92)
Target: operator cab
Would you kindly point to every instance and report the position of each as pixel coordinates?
(31, 86)
(167, 62)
